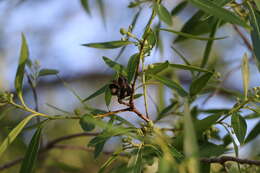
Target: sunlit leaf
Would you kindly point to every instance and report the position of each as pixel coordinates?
(108, 45)
(163, 14)
(96, 93)
(30, 158)
(215, 10)
(14, 133)
(198, 84)
(24, 55)
(245, 75)
(45, 72)
(65, 167)
(240, 127)
(171, 84)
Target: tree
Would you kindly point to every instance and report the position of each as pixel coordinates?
(194, 144)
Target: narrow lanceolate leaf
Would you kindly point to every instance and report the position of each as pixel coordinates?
(135, 162)
(14, 133)
(109, 161)
(97, 93)
(198, 84)
(30, 158)
(191, 148)
(222, 13)
(115, 66)
(190, 35)
(245, 74)
(84, 4)
(171, 84)
(254, 17)
(24, 55)
(209, 44)
(163, 14)
(239, 126)
(179, 8)
(108, 96)
(156, 68)
(167, 109)
(108, 45)
(131, 66)
(45, 72)
(189, 67)
(253, 133)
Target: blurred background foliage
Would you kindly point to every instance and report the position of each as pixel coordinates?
(56, 29)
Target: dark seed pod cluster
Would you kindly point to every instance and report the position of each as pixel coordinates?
(120, 88)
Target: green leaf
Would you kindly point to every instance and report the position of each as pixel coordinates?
(45, 72)
(110, 161)
(171, 84)
(115, 66)
(24, 55)
(198, 25)
(215, 10)
(101, 6)
(97, 93)
(245, 74)
(209, 44)
(14, 133)
(253, 133)
(163, 13)
(135, 162)
(164, 112)
(108, 45)
(189, 67)
(84, 4)
(257, 2)
(184, 59)
(99, 148)
(156, 68)
(31, 153)
(191, 36)
(206, 123)
(179, 8)
(198, 84)
(85, 125)
(254, 18)
(131, 66)
(239, 126)
(108, 96)
(191, 148)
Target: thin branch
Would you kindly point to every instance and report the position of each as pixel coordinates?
(223, 159)
(243, 37)
(48, 146)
